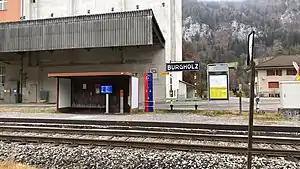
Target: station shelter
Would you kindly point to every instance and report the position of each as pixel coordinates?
(94, 91)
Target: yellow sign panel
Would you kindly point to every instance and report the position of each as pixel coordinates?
(218, 87)
(298, 78)
(164, 73)
(218, 93)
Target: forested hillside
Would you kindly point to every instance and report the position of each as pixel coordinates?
(219, 29)
(216, 31)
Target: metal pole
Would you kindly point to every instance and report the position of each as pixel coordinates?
(20, 99)
(107, 104)
(240, 102)
(121, 101)
(195, 83)
(171, 85)
(240, 98)
(251, 112)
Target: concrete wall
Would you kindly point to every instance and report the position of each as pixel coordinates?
(13, 11)
(137, 60)
(263, 80)
(169, 18)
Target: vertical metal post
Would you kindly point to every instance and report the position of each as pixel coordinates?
(20, 99)
(121, 101)
(195, 83)
(107, 104)
(251, 63)
(251, 113)
(240, 98)
(171, 85)
(257, 100)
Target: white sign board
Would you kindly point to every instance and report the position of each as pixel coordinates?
(135, 92)
(218, 80)
(250, 48)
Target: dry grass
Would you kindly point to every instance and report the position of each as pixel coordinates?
(27, 110)
(268, 116)
(11, 165)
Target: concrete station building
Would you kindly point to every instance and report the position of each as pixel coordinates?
(62, 51)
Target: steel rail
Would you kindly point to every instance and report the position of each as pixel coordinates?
(155, 124)
(154, 145)
(154, 134)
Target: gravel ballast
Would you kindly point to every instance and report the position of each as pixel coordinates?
(49, 156)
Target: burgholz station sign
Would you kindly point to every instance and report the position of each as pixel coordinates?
(182, 66)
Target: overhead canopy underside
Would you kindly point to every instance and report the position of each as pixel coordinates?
(88, 74)
(133, 28)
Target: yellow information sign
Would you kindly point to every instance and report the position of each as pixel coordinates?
(298, 78)
(218, 87)
(164, 73)
(218, 93)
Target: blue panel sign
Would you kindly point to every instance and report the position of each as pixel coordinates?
(150, 92)
(182, 66)
(106, 89)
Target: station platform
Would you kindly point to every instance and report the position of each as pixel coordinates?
(159, 117)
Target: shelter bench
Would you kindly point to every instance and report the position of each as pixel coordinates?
(184, 102)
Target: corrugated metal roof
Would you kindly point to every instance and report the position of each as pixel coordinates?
(131, 28)
(280, 61)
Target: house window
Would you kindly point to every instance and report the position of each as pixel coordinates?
(292, 72)
(274, 72)
(3, 5)
(273, 85)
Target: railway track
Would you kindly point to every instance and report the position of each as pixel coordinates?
(150, 124)
(145, 144)
(154, 134)
(11, 132)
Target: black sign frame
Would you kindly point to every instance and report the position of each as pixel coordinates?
(182, 66)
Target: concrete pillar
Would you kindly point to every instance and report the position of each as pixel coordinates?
(21, 73)
(172, 34)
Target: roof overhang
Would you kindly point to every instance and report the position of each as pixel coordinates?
(88, 74)
(273, 67)
(121, 29)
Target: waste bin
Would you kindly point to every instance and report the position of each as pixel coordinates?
(17, 98)
(44, 96)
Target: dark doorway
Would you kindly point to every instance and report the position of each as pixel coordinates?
(87, 96)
